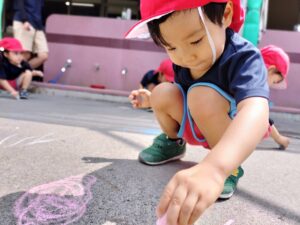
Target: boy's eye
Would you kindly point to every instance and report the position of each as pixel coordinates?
(170, 49)
(196, 42)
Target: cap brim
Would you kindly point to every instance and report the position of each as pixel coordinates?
(140, 29)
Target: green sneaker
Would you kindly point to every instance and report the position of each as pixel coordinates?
(231, 183)
(162, 151)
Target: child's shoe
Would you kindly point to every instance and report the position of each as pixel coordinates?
(231, 183)
(23, 94)
(162, 151)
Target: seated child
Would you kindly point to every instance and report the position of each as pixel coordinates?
(219, 100)
(277, 63)
(164, 73)
(15, 73)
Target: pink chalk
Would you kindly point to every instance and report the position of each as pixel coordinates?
(230, 222)
(162, 220)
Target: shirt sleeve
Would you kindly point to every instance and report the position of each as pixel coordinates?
(2, 71)
(21, 8)
(249, 76)
(26, 66)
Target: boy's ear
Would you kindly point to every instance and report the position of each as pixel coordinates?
(272, 69)
(228, 14)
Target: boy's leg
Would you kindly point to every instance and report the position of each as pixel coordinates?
(167, 104)
(40, 47)
(24, 81)
(279, 139)
(24, 36)
(209, 109)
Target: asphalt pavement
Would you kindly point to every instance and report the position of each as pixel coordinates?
(67, 160)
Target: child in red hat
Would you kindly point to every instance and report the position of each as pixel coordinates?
(15, 73)
(219, 100)
(277, 63)
(164, 73)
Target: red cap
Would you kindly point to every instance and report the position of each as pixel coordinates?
(11, 44)
(154, 9)
(166, 67)
(275, 56)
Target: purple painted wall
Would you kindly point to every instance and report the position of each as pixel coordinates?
(93, 43)
(290, 42)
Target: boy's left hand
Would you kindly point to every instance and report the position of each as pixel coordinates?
(189, 193)
(38, 73)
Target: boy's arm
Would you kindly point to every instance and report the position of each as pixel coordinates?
(242, 135)
(190, 192)
(7, 87)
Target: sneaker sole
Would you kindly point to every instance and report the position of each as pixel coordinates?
(161, 162)
(226, 196)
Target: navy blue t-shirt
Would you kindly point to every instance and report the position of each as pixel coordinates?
(9, 71)
(240, 71)
(30, 11)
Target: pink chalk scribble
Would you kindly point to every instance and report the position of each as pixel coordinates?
(61, 202)
(229, 222)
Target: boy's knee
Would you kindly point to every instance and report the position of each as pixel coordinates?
(164, 94)
(28, 74)
(205, 102)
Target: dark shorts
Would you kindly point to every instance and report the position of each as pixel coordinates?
(13, 83)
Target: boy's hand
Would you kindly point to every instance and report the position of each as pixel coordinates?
(27, 26)
(140, 98)
(189, 193)
(37, 73)
(15, 94)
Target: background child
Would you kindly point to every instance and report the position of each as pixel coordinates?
(277, 63)
(15, 73)
(164, 73)
(215, 71)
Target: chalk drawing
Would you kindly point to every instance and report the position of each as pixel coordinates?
(61, 202)
(230, 222)
(7, 138)
(40, 140)
(27, 141)
(20, 141)
(109, 223)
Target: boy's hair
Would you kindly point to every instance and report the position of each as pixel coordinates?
(214, 12)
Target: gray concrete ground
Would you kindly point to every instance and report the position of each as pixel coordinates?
(73, 161)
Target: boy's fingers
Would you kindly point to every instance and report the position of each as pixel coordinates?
(175, 205)
(187, 209)
(165, 198)
(197, 212)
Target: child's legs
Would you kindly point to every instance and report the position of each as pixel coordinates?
(167, 104)
(278, 138)
(209, 110)
(25, 79)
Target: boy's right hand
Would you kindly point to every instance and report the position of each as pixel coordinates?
(15, 94)
(140, 98)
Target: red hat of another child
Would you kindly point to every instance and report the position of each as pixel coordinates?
(154, 9)
(11, 44)
(166, 68)
(275, 56)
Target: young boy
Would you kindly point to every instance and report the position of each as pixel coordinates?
(215, 71)
(164, 73)
(277, 63)
(15, 73)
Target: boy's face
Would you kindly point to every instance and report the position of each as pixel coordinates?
(274, 76)
(14, 58)
(189, 46)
